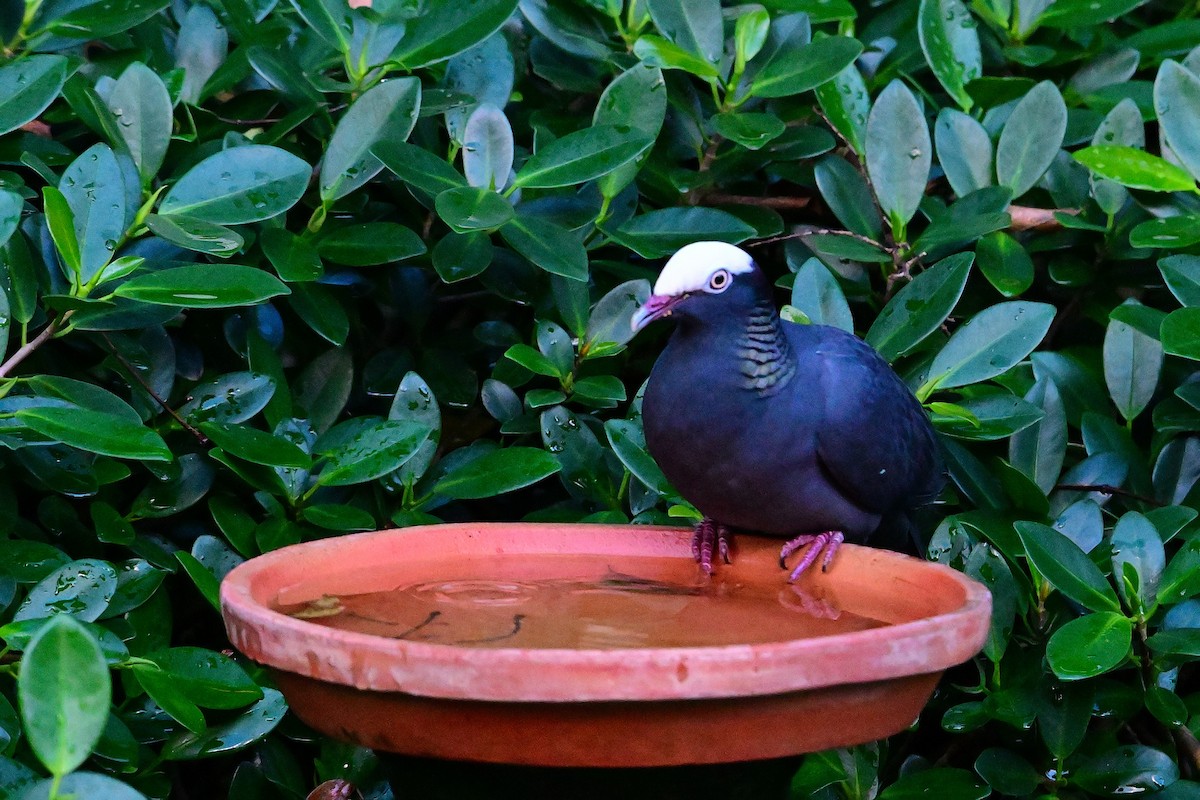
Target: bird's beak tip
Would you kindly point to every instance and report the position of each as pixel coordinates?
(656, 306)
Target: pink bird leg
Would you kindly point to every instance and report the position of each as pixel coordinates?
(710, 535)
(816, 543)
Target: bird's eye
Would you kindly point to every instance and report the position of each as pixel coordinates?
(719, 281)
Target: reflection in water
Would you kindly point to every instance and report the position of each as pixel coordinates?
(579, 602)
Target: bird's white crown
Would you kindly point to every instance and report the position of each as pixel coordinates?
(690, 269)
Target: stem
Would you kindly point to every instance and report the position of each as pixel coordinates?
(132, 370)
(1107, 489)
(27, 350)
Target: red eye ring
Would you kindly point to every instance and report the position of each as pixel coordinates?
(719, 281)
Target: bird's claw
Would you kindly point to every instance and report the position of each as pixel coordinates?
(817, 543)
(710, 534)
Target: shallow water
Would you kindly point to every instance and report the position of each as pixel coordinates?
(573, 602)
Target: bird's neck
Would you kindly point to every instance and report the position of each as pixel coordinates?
(764, 357)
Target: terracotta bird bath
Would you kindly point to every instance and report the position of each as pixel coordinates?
(597, 645)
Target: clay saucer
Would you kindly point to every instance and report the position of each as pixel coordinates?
(597, 645)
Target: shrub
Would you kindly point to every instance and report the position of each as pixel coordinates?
(276, 271)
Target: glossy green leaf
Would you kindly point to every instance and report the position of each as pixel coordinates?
(140, 104)
(990, 343)
(1132, 364)
(487, 148)
(661, 232)
(898, 153)
(1040, 449)
(1172, 232)
(583, 155)
(249, 727)
(258, 447)
(1089, 646)
(795, 69)
(1182, 275)
(499, 471)
(920, 308)
(1134, 168)
(951, 46)
(64, 691)
(375, 450)
(1128, 769)
(239, 185)
(655, 51)
(1031, 138)
(386, 112)
(466, 209)
(846, 103)
(370, 243)
(1181, 333)
(694, 25)
(457, 257)
(81, 589)
(816, 293)
(1177, 103)
(94, 188)
(849, 197)
(1137, 547)
(28, 87)
(95, 432)
(95, 18)
(203, 286)
(1066, 567)
(1005, 264)
(418, 167)
(548, 246)
(207, 678)
(751, 130)
(944, 782)
(446, 28)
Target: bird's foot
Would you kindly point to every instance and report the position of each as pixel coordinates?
(710, 535)
(817, 543)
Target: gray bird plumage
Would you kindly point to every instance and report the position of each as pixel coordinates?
(773, 427)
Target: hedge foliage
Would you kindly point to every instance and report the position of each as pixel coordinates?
(279, 270)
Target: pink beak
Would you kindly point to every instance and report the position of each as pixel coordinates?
(656, 307)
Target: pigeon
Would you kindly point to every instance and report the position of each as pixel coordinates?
(775, 427)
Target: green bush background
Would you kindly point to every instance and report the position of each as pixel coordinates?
(275, 271)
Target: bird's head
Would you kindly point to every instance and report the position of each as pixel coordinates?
(695, 277)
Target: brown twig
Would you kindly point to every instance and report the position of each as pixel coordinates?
(1188, 745)
(27, 350)
(132, 370)
(751, 200)
(1025, 218)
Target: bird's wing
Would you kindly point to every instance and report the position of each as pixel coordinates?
(875, 443)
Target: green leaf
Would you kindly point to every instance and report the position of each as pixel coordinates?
(94, 188)
(207, 678)
(964, 150)
(445, 28)
(846, 104)
(1181, 577)
(251, 726)
(1138, 548)
(1173, 232)
(797, 68)
(550, 247)
(95, 432)
(457, 257)
(418, 167)
(83, 784)
(497, 472)
(64, 691)
(1089, 646)
(583, 155)
(255, 446)
(816, 293)
(195, 234)
(487, 148)
(1132, 363)
(368, 244)
(61, 222)
(749, 129)
(204, 286)
(985, 418)
(243, 184)
(142, 107)
(1182, 275)
(533, 360)
(661, 232)
(1181, 333)
(1005, 264)
(11, 204)
(1134, 168)
(206, 583)
(1031, 138)
(920, 308)
(655, 51)
(1177, 103)
(629, 443)
(162, 690)
(951, 46)
(294, 257)
(1039, 450)
(848, 196)
(637, 98)
(990, 343)
(27, 88)
(945, 783)
(385, 112)
(1129, 769)
(1066, 567)
(1081, 14)
(466, 209)
(375, 450)
(329, 19)
(82, 589)
(694, 25)
(97, 19)
(898, 153)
